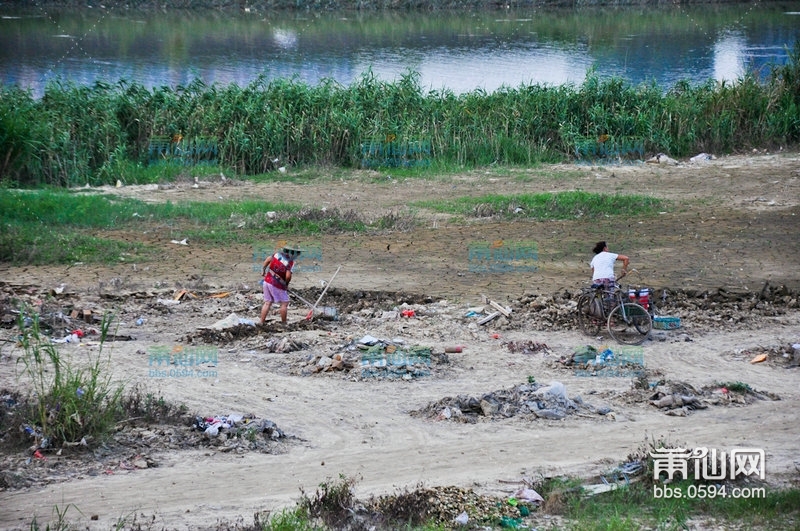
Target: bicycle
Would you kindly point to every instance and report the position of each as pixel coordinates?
(627, 322)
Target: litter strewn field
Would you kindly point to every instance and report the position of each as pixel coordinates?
(427, 376)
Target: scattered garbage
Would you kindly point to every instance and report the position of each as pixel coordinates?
(547, 402)
(462, 519)
(237, 424)
(786, 353)
(681, 399)
(383, 360)
(675, 401)
(661, 158)
(40, 442)
(528, 495)
(328, 312)
(284, 344)
(368, 340)
(702, 157)
(527, 347)
(229, 322)
(74, 336)
(619, 361)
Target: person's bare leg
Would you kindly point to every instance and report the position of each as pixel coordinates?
(265, 311)
(284, 311)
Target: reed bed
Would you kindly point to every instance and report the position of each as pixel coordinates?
(77, 135)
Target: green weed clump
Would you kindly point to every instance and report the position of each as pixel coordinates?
(70, 403)
(332, 503)
(736, 387)
(75, 136)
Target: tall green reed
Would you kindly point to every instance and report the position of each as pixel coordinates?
(77, 135)
(71, 402)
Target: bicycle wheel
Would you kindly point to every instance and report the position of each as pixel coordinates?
(589, 324)
(629, 323)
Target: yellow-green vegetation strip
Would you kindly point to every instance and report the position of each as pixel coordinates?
(543, 206)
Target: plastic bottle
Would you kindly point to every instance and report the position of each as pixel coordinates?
(450, 350)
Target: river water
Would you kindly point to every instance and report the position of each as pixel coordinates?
(455, 51)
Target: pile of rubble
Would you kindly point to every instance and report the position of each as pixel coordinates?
(787, 354)
(681, 399)
(586, 360)
(527, 400)
(449, 505)
(371, 357)
(237, 431)
(137, 447)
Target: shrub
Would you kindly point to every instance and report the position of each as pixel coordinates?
(69, 404)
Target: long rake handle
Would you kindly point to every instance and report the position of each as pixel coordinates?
(326, 287)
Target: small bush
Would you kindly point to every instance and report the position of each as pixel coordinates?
(332, 503)
(69, 404)
(139, 404)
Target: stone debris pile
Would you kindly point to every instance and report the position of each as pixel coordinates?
(680, 399)
(237, 427)
(532, 400)
(371, 357)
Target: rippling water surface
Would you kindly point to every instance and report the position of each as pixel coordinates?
(459, 52)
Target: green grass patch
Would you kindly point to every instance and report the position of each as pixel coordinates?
(53, 209)
(57, 227)
(35, 244)
(560, 205)
(635, 507)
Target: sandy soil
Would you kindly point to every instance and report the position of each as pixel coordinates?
(732, 227)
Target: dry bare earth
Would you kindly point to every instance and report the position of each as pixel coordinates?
(734, 225)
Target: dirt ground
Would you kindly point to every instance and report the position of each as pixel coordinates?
(723, 256)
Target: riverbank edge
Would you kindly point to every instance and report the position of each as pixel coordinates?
(345, 5)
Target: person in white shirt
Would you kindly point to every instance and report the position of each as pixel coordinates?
(603, 265)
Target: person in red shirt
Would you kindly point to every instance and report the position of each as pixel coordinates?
(277, 272)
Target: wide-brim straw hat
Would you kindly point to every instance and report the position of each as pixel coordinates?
(291, 250)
